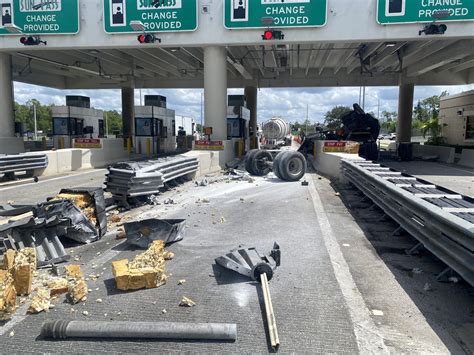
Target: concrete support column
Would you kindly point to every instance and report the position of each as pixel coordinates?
(251, 98)
(405, 112)
(7, 118)
(215, 91)
(128, 111)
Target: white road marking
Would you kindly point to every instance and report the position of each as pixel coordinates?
(369, 338)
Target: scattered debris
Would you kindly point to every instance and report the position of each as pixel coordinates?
(187, 302)
(146, 270)
(346, 245)
(427, 287)
(304, 183)
(7, 295)
(57, 286)
(24, 267)
(85, 313)
(181, 282)
(12, 334)
(377, 313)
(169, 201)
(41, 301)
(99, 300)
(453, 279)
(337, 194)
(204, 182)
(77, 286)
(115, 219)
(417, 270)
(143, 233)
(163, 311)
(205, 200)
(249, 262)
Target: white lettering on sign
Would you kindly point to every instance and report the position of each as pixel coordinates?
(429, 13)
(41, 18)
(41, 27)
(40, 5)
(159, 4)
(426, 3)
(147, 16)
(295, 18)
(292, 10)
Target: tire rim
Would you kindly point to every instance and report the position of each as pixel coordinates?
(295, 166)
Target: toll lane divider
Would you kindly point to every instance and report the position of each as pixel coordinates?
(441, 220)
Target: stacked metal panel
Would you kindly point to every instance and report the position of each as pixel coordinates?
(10, 164)
(131, 179)
(441, 220)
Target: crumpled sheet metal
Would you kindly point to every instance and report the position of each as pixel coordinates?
(79, 228)
(40, 233)
(143, 233)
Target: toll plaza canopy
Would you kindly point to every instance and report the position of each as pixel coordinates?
(94, 44)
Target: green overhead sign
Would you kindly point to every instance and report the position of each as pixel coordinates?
(274, 13)
(411, 11)
(38, 17)
(153, 15)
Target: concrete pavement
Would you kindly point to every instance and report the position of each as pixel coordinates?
(332, 279)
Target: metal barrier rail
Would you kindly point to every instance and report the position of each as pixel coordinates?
(132, 179)
(10, 164)
(441, 220)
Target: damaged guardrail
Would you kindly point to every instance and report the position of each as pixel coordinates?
(132, 179)
(28, 162)
(441, 220)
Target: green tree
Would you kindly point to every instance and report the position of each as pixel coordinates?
(332, 119)
(114, 121)
(25, 114)
(428, 108)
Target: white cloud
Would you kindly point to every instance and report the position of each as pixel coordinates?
(287, 103)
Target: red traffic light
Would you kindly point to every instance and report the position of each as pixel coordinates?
(148, 38)
(267, 35)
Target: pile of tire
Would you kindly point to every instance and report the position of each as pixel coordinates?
(287, 165)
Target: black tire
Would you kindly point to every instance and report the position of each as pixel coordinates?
(292, 166)
(248, 160)
(258, 163)
(277, 162)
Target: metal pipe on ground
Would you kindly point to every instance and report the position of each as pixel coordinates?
(61, 329)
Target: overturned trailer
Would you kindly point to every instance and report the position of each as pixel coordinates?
(288, 165)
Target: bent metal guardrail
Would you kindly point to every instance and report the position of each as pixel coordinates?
(29, 162)
(441, 220)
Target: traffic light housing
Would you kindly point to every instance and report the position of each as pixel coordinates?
(269, 35)
(32, 41)
(148, 38)
(434, 29)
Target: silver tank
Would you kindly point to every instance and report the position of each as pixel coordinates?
(276, 128)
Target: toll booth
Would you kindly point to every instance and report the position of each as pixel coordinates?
(155, 130)
(238, 118)
(76, 120)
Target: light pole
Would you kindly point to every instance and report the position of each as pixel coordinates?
(36, 124)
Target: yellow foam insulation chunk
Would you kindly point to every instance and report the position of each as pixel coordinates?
(146, 270)
(83, 201)
(8, 260)
(23, 268)
(77, 286)
(41, 301)
(73, 271)
(57, 286)
(7, 296)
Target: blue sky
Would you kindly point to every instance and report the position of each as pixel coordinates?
(290, 104)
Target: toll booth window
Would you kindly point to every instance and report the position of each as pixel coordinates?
(79, 127)
(470, 128)
(144, 127)
(173, 128)
(60, 126)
